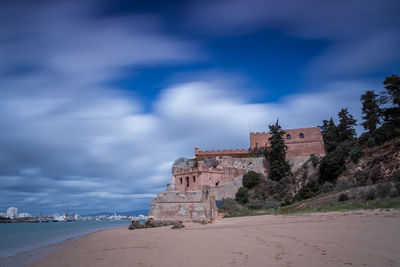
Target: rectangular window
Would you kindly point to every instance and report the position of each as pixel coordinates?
(194, 179)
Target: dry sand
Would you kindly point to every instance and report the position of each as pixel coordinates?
(365, 238)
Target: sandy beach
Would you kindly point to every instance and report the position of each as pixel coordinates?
(367, 238)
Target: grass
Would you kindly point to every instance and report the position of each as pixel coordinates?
(386, 203)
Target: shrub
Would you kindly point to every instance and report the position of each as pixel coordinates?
(308, 190)
(315, 160)
(271, 203)
(371, 142)
(255, 203)
(385, 133)
(287, 201)
(251, 179)
(375, 174)
(343, 197)
(356, 153)
(384, 189)
(364, 138)
(332, 165)
(361, 177)
(369, 193)
(398, 188)
(327, 187)
(242, 195)
(230, 206)
(395, 177)
(342, 184)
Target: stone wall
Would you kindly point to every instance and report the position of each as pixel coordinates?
(188, 206)
(207, 154)
(226, 170)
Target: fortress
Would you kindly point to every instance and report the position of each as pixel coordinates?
(217, 174)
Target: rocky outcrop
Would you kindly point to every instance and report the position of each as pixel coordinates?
(155, 223)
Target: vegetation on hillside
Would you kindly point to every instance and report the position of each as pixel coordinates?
(381, 121)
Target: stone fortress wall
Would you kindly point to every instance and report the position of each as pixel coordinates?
(227, 169)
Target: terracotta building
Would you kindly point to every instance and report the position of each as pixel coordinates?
(300, 142)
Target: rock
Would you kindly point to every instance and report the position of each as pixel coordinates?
(177, 225)
(136, 225)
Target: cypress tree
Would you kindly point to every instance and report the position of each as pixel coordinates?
(346, 125)
(330, 135)
(371, 111)
(279, 166)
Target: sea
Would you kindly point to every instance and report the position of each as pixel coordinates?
(18, 238)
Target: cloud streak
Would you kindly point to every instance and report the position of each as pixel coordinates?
(362, 35)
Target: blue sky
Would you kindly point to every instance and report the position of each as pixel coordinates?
(98, 98)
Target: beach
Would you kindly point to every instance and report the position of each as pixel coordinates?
(356, 238)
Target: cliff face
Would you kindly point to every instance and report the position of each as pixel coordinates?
(375, 165)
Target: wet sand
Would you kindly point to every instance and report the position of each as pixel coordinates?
(367, 238)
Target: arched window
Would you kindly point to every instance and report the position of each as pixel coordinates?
(181, 180)
(288, 137)
(256, 145)
(301, 135)
(194, 179)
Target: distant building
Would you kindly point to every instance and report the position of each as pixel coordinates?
(24, 215)
(12, 212)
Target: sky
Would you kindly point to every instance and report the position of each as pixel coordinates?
(98, 98)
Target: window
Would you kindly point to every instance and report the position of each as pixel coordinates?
(256, 145)
(187, 181)
(301, 135)
(288, 137)
(181, 180)
(194, 179)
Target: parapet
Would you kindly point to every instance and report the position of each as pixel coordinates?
(215, 153)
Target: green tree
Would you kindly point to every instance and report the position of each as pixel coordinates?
(392, 113)
(330, 135)
(242, 195)
(279, 166)
(346, 125)
(371, 111)
(251, 179)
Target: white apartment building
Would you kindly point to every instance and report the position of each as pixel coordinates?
(12, 212)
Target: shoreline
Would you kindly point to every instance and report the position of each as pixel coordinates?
(312, 239)
(26, 257)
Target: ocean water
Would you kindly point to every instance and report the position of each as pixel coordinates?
(21, 237)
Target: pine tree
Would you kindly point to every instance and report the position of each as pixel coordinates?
(279, 166)
(392, 114)
(346, 125)
(330, 135)
(371, 111)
